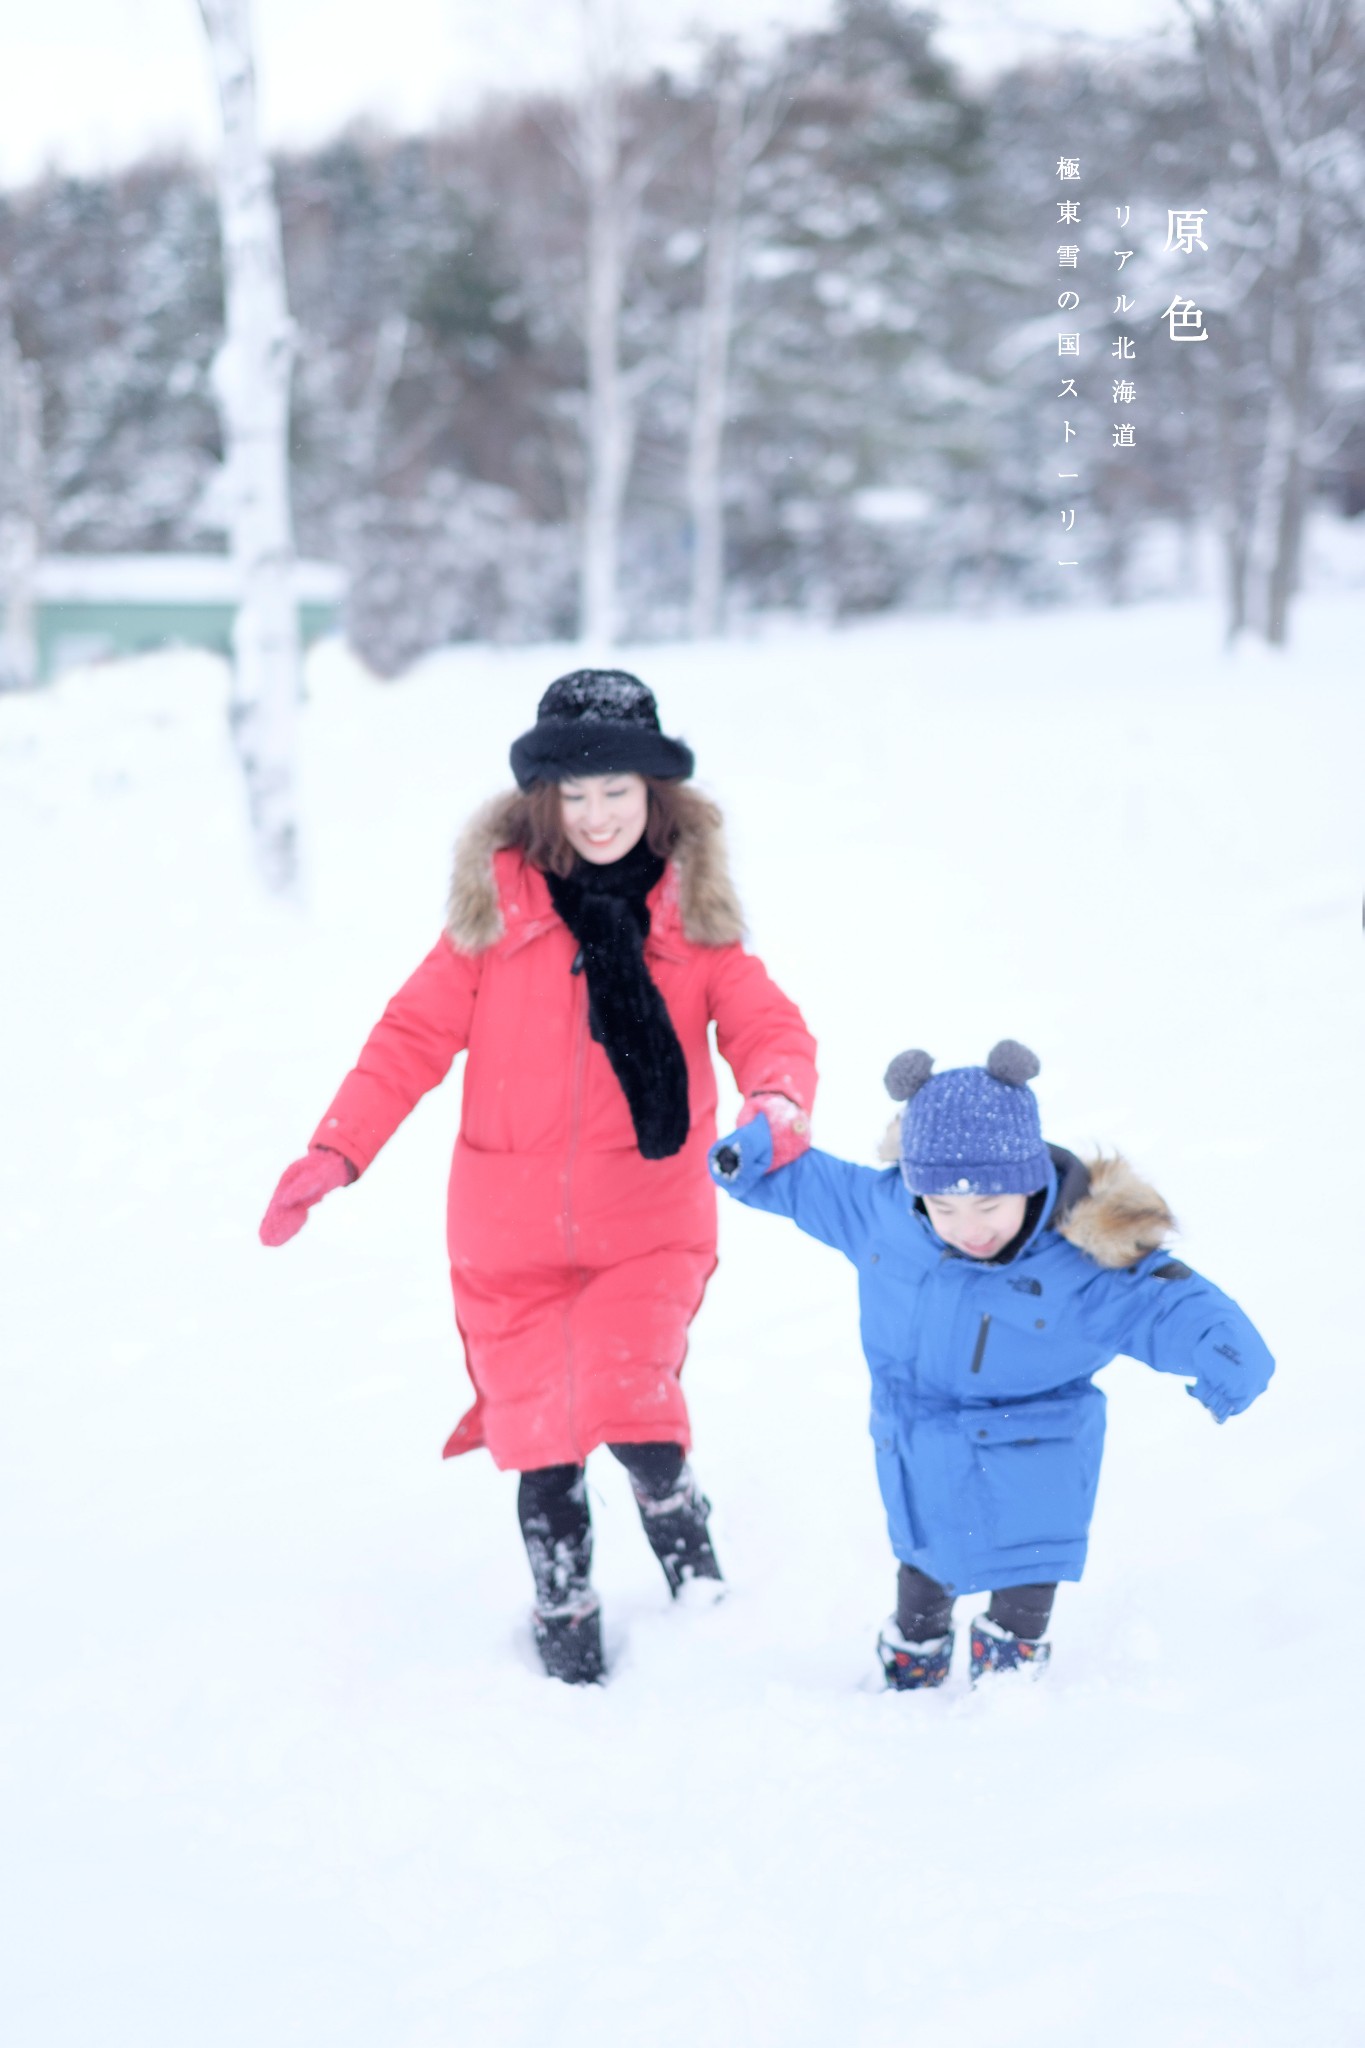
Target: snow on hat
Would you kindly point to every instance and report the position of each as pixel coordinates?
(970, 1130)
(597, 721)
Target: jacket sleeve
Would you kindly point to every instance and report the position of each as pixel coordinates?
(761, 1034)
(409, 1051)
(826, 1197)
(1176, 1321)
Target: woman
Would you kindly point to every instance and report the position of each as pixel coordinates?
(593, 936)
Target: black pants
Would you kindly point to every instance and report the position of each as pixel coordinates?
(552, 1505)
(924, 1610)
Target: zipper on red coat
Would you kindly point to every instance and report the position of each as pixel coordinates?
(980, 1352)
(575, 1120)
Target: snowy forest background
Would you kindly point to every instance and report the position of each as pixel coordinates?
(834, 325)
(277, 1762)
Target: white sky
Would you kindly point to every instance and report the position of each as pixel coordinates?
(89, 83)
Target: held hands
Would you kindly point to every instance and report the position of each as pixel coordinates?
(301, 1185)
(787, 1121)
(764, 1140)
(725, 1159)
(772, 1131)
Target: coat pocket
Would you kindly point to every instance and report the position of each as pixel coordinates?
(1038, 1463)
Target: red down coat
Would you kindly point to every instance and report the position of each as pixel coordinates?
(577, 1266)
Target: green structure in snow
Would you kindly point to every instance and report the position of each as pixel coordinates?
(98, 607)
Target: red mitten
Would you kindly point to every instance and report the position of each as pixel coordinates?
(302, 1184)
(787, 1121)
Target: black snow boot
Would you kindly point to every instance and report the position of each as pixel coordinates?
(570, 1643)
(553, 1507)
(674, 1521)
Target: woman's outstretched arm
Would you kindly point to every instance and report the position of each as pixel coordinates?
(409, 1051)
(761, 1034)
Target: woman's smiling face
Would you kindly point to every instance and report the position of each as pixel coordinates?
(604, 815)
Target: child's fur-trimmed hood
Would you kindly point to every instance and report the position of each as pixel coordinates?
(1120, 1217)
(1115, 1217)
(707, 905)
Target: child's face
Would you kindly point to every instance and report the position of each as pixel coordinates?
(979, 1225)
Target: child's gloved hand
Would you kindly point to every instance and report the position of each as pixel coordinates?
(1219, 1402)
(744, 1157)
(301, 1185)
(787, 1121)
(1219, 1358)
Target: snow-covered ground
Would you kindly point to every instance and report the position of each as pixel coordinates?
(278, 1768)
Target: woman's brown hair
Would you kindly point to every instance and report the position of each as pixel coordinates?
(676, 811)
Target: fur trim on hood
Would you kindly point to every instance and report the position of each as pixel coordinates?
(1120, 1219)
(1116, 1221)
(707, 904)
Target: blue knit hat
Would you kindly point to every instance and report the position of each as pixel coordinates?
(971, 1130)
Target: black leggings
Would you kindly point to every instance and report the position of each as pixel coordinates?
(924, 1610)
(552, 1506)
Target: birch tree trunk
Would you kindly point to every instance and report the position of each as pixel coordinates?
(609, 432)
(705, 472)
(1282, 74)
(20, 511)
(252, 377)
(366, 436)
(745, 124)
(1231, 524)
(1272, 541)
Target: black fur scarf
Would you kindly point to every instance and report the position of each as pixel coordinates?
(605, 909)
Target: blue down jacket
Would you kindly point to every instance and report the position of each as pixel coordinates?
(987, 1428)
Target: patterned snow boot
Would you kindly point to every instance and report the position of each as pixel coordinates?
(913, 1667)
(569, 1640)
(999, 1649)
(677, 1531)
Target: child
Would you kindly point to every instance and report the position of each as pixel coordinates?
(989, 1298)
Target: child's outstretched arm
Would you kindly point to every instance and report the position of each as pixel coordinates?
(1178, 1322)
(828, 1198)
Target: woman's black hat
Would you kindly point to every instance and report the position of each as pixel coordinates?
(597, 721)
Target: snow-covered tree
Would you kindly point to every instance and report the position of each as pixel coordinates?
(436, 283)
(252, 375)
(116, 295)
(856, 380)
(848, 372)
(1286, 79)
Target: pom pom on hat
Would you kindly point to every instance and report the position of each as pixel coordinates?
(907, 1073)
(1012, 1062)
